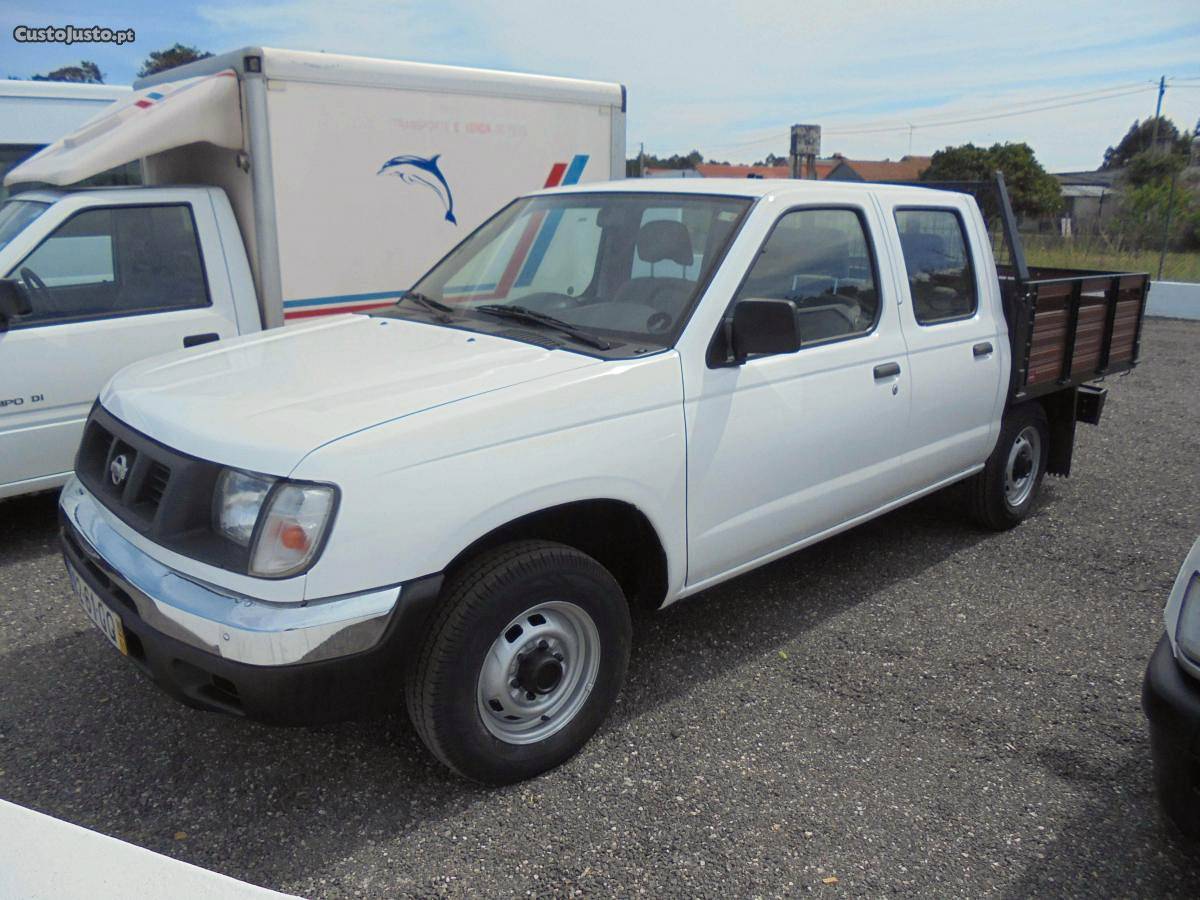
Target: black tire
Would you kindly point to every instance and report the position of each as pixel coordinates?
(479, 601)
(987, 499)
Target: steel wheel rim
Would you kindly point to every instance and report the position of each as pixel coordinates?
(1021, 470)
(526, 650)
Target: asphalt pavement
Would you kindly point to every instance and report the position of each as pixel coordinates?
(914, 707)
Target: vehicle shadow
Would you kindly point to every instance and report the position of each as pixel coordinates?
(1119, 845)
(28, 526)
(90, 741)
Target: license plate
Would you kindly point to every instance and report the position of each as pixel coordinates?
(100, 615)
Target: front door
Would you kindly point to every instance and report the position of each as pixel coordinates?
(783, 448)
(109, 286)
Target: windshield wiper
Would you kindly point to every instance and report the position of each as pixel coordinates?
(532, 316)
(429, 303)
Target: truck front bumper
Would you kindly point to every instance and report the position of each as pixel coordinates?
(1171, 700)
(284, 663)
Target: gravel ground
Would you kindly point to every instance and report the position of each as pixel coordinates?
(914, 707)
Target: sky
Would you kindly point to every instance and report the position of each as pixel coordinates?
(729, 79)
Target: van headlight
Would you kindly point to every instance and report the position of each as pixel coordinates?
(1187, 632)
(282, 523)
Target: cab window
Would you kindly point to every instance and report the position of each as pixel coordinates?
(112, 262)
(941, 279)
(820, 260)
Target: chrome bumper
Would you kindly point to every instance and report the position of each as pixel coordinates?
(236, 628)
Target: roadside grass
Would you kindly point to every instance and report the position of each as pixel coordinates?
(1085, 254)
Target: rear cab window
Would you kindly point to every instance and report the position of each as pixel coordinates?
(938, 264)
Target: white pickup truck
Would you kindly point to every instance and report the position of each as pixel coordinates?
(609, 394)
(279, 186)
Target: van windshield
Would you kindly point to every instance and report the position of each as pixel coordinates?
(620, 266)
(15, 215)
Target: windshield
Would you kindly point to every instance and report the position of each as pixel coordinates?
(624, 267)
(15, 215)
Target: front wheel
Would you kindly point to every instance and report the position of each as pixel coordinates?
(1003, 494)
(523, 662)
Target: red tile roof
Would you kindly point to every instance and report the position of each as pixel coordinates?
(907, 168)
(717, 170)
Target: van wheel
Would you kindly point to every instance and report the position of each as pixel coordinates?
(1002, 495)
(522, 663)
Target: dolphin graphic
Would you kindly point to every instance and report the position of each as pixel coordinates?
(419, 170)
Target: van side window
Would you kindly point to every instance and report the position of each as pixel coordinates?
(820, 260)
(112, 262)
(941, 279)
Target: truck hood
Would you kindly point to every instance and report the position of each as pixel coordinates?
(264, 401)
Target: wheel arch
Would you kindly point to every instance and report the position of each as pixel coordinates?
(616, 533)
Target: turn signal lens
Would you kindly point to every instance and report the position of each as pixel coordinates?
(294, 525)
(293, 537)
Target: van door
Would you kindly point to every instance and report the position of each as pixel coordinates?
(783, 448)
(112, 283)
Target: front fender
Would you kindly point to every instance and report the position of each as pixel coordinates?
(413, 498)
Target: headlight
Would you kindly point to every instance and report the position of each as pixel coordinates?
(293, 528)
(236, 504)
(281, 523)
(1187, 632)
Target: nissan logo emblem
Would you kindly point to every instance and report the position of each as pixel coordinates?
(118, 469)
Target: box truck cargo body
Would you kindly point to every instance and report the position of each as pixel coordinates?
(279, 186)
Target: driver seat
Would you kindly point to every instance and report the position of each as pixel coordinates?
(660, 241)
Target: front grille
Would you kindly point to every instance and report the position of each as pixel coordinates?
(161, 493)
(119, 466)
(155, 484)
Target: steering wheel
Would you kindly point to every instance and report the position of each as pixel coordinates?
(659, 323)
(37, 287)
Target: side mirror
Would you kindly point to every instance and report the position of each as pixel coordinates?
(764, 327)
(13, 300)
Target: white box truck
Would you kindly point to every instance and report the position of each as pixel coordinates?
(279, 186)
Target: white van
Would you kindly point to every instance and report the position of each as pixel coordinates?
(279, 186)
(36, 113)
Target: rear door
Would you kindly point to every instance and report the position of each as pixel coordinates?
(110, 283)
(783, 448)
(956, 349)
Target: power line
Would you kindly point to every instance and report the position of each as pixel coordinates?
(837, 132)
(1005, 107)
(997, 112)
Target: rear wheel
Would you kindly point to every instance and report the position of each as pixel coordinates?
(523, 662)
(1003, 494)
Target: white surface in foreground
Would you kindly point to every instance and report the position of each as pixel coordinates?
(43, 858)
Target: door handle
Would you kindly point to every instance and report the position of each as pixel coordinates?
(193, 340)
(887, 370)
(982, 349)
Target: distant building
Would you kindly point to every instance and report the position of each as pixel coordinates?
(654, 172)
(836, 168)
(907, 168)
(1088, 199)
(718, 170)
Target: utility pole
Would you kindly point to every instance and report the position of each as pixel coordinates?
(1166, 237)
(1162, 89)
(642, 159)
